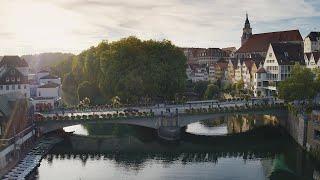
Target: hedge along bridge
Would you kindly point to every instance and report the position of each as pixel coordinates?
(167, 124)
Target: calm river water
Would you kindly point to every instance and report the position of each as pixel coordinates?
(234, 147)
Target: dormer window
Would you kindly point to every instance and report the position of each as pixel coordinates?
(12, 79)
(7, 79)
(286, 54)
(18, 79)
(12, 72)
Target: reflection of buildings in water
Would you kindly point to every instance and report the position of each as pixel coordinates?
(243, 123)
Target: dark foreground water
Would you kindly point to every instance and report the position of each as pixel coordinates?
(235, 147)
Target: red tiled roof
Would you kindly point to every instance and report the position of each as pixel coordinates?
(260, 42)
(13, 61)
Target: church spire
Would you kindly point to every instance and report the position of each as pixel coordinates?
(247, 31)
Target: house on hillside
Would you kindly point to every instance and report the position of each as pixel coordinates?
(14, 77)
(312, 42)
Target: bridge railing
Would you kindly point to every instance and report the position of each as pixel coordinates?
(235, 108)
(103, 116)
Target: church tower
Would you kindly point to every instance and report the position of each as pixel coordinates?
(247, 31)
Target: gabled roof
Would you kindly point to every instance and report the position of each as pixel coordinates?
(288, 53)
(260, 42)
(313, 36)
(261, 70)
(49, 77)
(13, 61)
(316, 56)
(49, 85)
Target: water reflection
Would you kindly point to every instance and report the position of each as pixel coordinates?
(231, 124)
(130, 152)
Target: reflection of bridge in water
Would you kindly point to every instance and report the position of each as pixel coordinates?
(132, 151)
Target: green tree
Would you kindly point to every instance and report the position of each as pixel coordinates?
(200, 88)
(211, 91)
(87, 90)
(301, 85)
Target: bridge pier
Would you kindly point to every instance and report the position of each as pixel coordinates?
(168, 127)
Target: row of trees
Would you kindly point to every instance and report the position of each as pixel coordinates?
(131, 69)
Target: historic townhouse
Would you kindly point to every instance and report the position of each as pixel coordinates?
(205, 56)
(312, 60)
(14, 77)
(232, 64)
(248, 69)
(260, 83)
(281, 57)
(221, 71)
(312, 42)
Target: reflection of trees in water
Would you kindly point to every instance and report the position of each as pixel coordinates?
(259, 144)
(241, 123)
(120, 130)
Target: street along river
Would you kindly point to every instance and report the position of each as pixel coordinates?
(235, 147)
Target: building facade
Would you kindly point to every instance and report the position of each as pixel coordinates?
(14, 77)
(312, 42)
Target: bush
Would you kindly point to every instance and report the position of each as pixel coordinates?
(109, 116)
(84, 117)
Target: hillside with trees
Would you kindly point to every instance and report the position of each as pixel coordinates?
(45, 60)
(136, 71)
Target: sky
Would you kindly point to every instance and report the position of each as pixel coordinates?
(36, 26)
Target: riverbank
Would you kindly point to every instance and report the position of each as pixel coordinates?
(23, 165)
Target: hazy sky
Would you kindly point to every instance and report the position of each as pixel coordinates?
(33, 26)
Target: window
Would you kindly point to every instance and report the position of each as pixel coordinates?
(12, 79)
(259, 84)
(12, 72)
(1, 87)
(25, 86)
(18, 79)
(19, 86)
(259, 76)
(7, 79)
(13, 87)
(286, 54)
(270, 54)
(7, 87)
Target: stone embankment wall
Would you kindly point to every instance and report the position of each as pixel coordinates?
(297, 127)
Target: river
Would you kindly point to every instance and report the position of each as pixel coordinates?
(232, 147)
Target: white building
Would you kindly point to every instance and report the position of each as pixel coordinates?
(312, 60)
(49, 79)
(45, 91)
(312, 42)
(14, 77)
(281, 57)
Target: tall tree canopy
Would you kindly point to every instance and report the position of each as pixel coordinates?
(131, 69)
(301, 85)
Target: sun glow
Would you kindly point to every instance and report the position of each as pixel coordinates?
(43, 27)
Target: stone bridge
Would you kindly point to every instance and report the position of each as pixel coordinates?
(152, 122)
